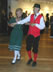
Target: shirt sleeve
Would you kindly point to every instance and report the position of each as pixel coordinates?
(41, 25)
(12, 20)
(27, 19)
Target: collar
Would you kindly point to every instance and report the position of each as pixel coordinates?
(37, 14)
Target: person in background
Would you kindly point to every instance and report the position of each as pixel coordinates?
(51, 23)
(36, 24)
(4, 21)
(47, 22)
(26, 12)
(25, 27)
(10, 18)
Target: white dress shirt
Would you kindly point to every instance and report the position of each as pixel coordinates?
(27, 19)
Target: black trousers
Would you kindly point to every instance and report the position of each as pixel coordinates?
(32, 43)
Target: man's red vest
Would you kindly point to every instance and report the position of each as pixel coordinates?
(35, 31)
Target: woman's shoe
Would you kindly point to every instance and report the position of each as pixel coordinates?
(18, 58)
(13, 61)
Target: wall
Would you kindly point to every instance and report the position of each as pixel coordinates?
(46, 7)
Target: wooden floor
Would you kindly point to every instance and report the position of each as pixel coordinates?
(44, 60)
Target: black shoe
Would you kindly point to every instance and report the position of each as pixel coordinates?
(29, 62)
(18, 59)
(34, 64)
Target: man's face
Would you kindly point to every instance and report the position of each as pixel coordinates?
(35, 10)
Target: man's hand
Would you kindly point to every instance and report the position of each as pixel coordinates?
(30, 24)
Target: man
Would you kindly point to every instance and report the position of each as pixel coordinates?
(36, 24)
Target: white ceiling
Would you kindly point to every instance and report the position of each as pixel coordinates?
(36, 0)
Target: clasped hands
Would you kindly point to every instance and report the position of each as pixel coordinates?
(32, 24)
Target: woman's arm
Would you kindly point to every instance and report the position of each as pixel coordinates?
(24, 21)
(11, 25)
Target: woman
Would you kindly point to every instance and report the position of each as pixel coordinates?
(16, 36)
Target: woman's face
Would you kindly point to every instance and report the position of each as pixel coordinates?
(19, 13)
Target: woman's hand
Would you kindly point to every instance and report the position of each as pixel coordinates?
(27, 23)
(12, 24)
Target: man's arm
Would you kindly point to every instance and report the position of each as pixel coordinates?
(27, 19)
(41, 25)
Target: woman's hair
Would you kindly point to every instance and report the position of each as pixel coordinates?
(18, 9)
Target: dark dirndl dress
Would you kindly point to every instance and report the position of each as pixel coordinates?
(16, 37)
